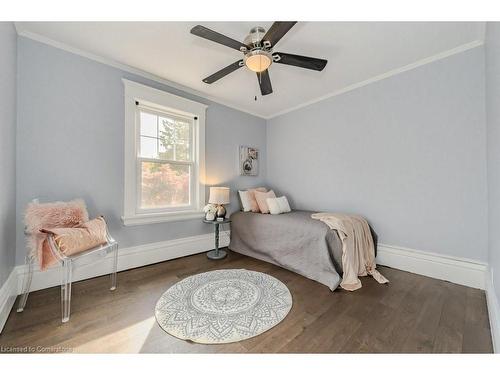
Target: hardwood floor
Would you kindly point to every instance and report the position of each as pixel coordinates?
(412, 314)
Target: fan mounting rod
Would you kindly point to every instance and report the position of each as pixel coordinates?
(255, 36)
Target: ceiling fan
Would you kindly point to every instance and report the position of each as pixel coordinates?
(258, 54)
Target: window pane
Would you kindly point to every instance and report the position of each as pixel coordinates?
(164, 185)
(166, 151)
(149, 147)
(184, 131)
(184, 140)
(182, 152)
(166, 131)
(149, 124)
(174, 133)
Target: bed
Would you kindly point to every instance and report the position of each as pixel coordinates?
(293, 241)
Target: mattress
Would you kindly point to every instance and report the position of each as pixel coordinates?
(293, 241)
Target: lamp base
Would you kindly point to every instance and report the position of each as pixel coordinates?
(221, 212)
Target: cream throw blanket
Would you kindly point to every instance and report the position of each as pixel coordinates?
(358, 250)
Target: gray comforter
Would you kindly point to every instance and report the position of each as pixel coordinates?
(293, 241)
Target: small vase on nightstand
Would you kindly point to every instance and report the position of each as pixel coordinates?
(210, 216)
(221, 212)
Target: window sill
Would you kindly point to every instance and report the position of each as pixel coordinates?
(142, 219)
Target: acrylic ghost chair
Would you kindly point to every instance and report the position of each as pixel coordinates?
(68, 264)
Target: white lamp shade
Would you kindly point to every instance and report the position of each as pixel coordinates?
(219, 195)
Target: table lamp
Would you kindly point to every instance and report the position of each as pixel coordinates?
(219, 196)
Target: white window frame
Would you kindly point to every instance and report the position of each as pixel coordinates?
(176, 105)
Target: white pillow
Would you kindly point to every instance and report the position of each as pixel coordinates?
(284, 205)
(278, 205)
(246, 201)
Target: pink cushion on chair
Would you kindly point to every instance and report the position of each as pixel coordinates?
(261, 199)
(50, 215)
(75, 240)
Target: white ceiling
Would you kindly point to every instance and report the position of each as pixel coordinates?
(356, 51)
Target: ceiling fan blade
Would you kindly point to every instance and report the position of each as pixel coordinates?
(301, 61)
(223, 72)
(277, 31)
(265, 83)
(216, 37)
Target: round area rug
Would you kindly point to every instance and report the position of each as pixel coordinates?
(223, 306)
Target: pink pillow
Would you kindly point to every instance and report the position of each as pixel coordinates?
(254, 207)
(51, 215)
(80, 238)
(262, 200)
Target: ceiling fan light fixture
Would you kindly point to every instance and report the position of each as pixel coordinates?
(257, 50)
(258, 60)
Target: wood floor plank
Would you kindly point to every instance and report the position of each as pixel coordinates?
(449, 335)
(334, 325)
(422, 328)
(412, 313)
(477, 324)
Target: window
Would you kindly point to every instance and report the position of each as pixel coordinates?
(165, 160)
(164, 156)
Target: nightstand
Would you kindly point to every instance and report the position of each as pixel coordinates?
(216, 253)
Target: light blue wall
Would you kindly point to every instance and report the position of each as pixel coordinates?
(493, 134)
(407, 152)
(71, 141)
(7, 148)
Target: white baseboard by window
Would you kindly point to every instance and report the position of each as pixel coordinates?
(493, 310)
(8, 293)
(456, 270)
(128, 258)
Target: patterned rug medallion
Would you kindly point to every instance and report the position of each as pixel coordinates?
(223, 306)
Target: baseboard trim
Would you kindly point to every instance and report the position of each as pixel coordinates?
(493, 311)
(8, 293)
(461, 271)
(457, 270)
(128, 258)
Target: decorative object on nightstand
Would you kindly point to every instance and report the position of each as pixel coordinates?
(217, 253)
(219, 196)
(210, 211)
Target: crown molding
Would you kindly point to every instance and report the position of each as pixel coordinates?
(110, 62)
(391, 73)
(127, 68)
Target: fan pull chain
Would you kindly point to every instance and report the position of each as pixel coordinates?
(260, 83)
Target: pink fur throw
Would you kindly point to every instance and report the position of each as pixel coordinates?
(50, 215)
